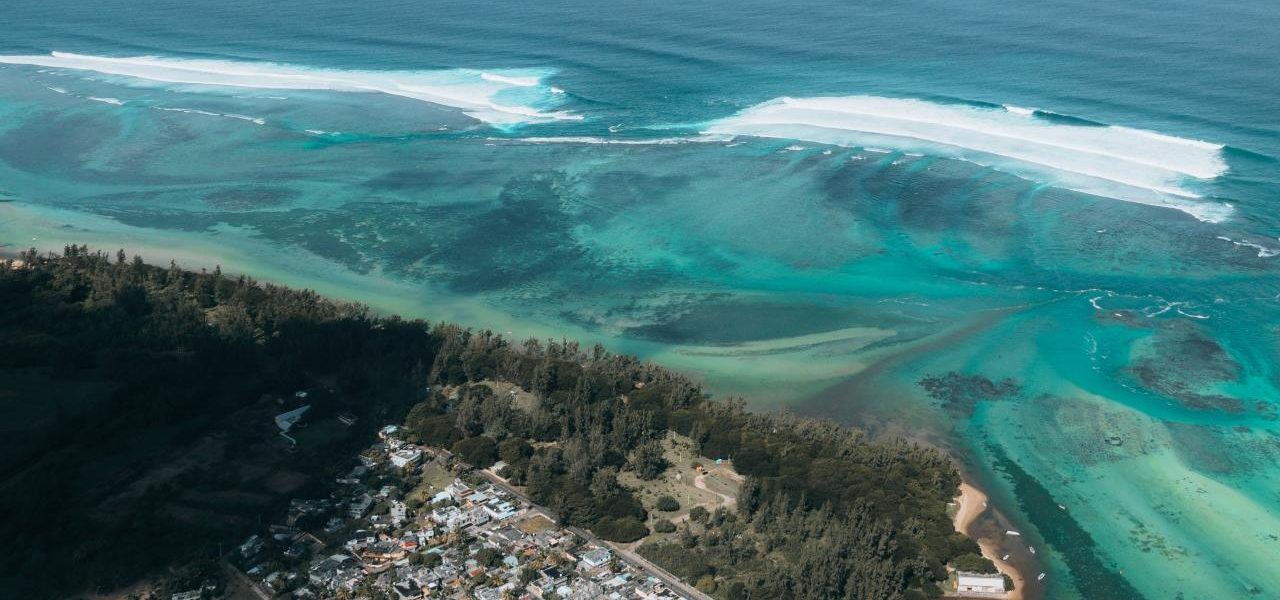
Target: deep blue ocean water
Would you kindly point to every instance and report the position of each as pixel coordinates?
(824, 206)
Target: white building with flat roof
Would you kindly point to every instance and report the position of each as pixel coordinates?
(979, 583)
(406, 456)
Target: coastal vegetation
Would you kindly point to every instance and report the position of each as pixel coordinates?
(146, 394)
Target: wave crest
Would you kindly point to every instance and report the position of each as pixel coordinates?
(502, 98)
(1116, 162)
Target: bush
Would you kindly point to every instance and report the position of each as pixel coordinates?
(624, 529)
(647, 460)
(699, 514)
(488, 557)
(478, 451)
(664, 526)
(973, 563)
(515, 451)
(668, 504)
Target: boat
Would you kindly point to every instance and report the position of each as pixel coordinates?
(1005, 557)
(1040, 578)
(1012, 532)
(1032, 549)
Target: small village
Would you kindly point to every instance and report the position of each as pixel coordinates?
(411, 522)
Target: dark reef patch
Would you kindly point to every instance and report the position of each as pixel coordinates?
(249, 197)
(959, 394)
(1185, 364)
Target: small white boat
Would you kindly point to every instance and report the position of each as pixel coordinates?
(1032, 549)
(1005, 557)
(1012, 532)
(1040, 578)
(615, 128)
(1061, 507)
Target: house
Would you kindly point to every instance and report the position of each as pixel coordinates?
(596, 558)
(333, 571)
(191, 595)
(977, 582)
(381, 552)
(408, 591)
(387, 432)
(449, 516)
(286, 420)
(251, 546)
(399, 513)
(552, 577)
(406, 456)
(359, 506)
(476, 516)
(499, 509)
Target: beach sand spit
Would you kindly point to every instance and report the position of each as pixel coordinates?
(971, 503)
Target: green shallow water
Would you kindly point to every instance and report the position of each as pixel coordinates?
(1140, 348)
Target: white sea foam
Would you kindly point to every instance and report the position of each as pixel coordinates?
(1263, 251)
(510, 80)
(1018, 110)
(196, 111)
(1116, 162)
(55, 89)
(115, 101)
(483, 95)
(620, 141)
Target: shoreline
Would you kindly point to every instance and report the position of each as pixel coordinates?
(971, 503)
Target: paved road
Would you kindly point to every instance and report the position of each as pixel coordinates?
(671, 581)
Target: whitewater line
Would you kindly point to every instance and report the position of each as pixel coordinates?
(479, 94)
(1116, 162)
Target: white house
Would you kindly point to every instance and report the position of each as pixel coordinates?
(287, 420)
(406, 456)
(596, 558)
(448, 516)
(982, 584)
(399, 513)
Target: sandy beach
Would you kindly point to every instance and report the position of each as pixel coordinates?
(971, 503)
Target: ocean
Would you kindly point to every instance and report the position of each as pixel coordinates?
(1042, 235)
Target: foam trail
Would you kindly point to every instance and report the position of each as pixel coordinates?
(666, 141)
(1115, 162)
(195, 111)
(479, 94)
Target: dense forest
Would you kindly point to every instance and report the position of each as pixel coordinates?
(144, 395)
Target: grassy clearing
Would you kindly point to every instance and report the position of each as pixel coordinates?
(680, 481)
(535, 524)
(519, 397)
(435, 479)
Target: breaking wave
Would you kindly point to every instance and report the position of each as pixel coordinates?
(501, 98)
(1111, 161)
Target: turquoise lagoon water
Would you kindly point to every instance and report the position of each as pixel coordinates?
(1071, 207)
